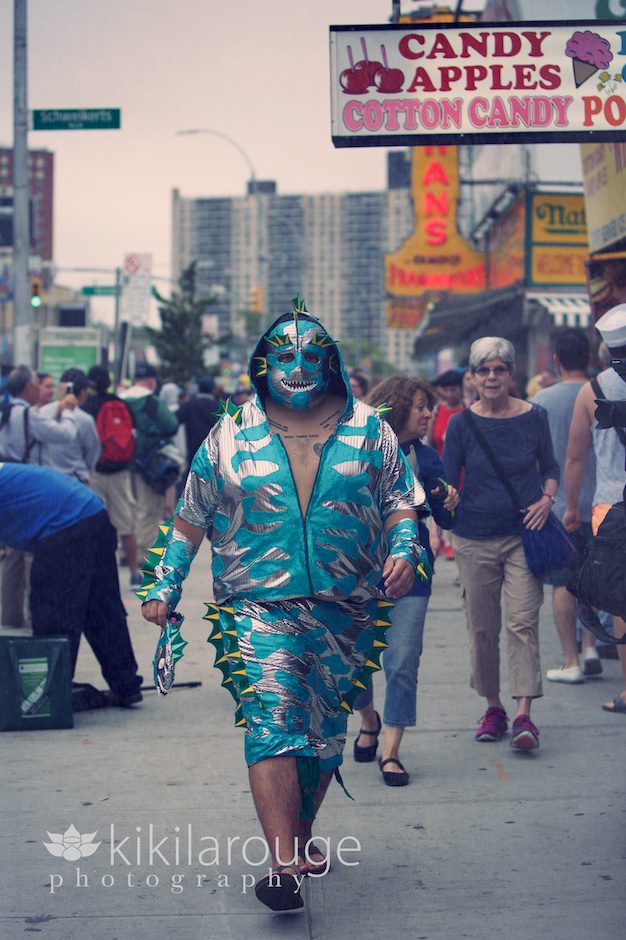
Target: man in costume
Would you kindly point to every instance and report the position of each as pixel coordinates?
(312, 513)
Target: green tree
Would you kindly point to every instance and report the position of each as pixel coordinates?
(181, 342)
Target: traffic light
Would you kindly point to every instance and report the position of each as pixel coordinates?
(256, 300)
(36, 286)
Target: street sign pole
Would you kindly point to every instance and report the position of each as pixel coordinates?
(22, 344)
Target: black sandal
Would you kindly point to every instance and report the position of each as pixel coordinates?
(309, 867)
(391, 779)
(363, 755)
(284, 896)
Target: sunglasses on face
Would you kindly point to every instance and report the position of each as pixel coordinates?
(483, 371)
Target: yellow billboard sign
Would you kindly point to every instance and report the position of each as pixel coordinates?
(435, 259)
(604, 177)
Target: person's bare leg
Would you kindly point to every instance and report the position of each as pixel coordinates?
(564, 613)
(619, 629)
(369, 723)
(523, 705)
(391, 747)
(589, 640)
(129, 544)
(276, 794)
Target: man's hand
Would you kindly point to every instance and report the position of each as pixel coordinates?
(571, 520)
(155, 612)
(398, 577)
(68, 401)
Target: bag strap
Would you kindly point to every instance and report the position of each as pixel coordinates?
(621, 433)
(489, 454)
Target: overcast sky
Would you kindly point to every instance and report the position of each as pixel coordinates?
(256, 71)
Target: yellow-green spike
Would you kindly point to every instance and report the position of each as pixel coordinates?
(383, 409)
(248, 690)
(381, 644)
(359, 685)
(371, 665)
(227, 610)
(276, 340)
(345, 705)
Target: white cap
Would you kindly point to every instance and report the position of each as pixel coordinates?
(612, 326)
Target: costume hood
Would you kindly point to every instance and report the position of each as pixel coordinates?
(339, 382)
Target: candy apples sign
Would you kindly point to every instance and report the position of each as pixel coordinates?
(405, 84)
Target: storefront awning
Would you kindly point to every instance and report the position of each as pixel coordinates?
(565, 309)
(459, 320)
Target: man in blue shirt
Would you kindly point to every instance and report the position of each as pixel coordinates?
(74, 583)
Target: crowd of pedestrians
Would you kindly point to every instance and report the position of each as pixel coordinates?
(113, 442)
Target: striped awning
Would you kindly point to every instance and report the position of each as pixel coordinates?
(565, 309)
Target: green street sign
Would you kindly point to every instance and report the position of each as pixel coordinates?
(77, 119)
(98, 290)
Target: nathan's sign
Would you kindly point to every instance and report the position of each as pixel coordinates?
(557, 240)
(434, 259)
(404, 84)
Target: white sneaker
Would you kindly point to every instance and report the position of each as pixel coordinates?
(570, 674)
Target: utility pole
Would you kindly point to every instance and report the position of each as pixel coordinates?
(22, 342)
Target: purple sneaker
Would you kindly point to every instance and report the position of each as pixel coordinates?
(492, 725)
(524, 734)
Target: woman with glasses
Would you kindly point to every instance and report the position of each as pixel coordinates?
(486, 538)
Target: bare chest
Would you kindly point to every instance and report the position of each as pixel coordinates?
(303, 443)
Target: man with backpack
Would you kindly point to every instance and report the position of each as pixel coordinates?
(23, 433)
(609, 446)
(111, 479)
(154, 426)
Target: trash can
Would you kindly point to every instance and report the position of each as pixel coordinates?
(35, 683)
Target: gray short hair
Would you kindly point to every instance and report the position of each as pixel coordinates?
(491, 347)
(18, 379)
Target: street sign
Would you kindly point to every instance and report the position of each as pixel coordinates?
(98, 290)
(69, 348)
(76, 119)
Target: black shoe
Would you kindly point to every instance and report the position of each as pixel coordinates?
(280, 891)
(123, 701)
(363, 755)
(391, 779)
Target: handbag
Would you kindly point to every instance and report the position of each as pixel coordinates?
(160, 467)
(545, 549)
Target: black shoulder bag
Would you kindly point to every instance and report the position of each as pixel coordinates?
(545, 549)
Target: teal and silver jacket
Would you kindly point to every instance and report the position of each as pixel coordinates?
(241, 489)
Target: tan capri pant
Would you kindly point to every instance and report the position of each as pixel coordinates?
(486, 567)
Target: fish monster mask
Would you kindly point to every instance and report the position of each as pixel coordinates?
(299, 358)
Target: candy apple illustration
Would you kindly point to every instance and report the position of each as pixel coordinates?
(367, 65)
(388, 80)
(354, 81)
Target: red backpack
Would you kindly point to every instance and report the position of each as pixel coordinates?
(114, 425)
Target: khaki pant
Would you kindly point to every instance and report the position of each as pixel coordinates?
(148, 515)
(486, 567)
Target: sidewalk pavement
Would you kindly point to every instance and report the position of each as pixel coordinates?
(484, 843)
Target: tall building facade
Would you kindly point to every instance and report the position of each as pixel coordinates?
(327, 247)
(41, 186)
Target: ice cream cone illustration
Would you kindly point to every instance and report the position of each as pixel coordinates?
(589, 53)
(582, 71)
